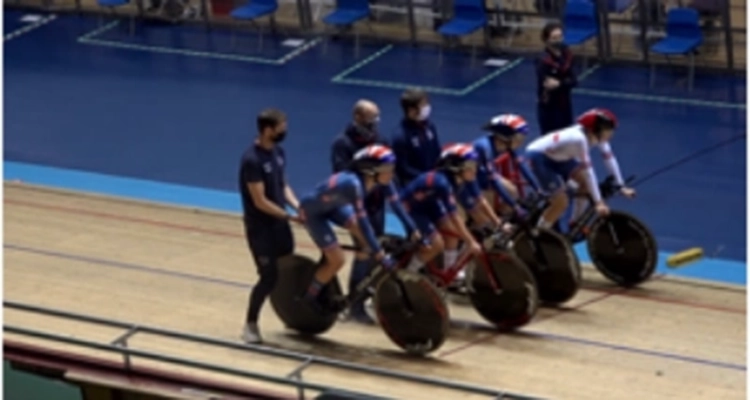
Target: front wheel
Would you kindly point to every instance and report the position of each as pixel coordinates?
(502, 289)
(551, 259)
(622, 248)
(412, 312)
(295, 274)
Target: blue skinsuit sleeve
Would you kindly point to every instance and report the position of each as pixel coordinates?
(398, 208)
(362, 220)
(446, 195)
(526, 172)
(493, 177)
(497, 185)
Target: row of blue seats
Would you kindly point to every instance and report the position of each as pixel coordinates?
(581, 22)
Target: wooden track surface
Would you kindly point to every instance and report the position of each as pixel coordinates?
(189, 270)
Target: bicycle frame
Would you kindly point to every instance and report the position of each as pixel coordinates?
(446, 276)
(581, 224)
(371, 281)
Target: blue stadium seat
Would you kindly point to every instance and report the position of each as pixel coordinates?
(468, 17)
(684, 36)
(346, 14)
(254, 10)
(580, 22)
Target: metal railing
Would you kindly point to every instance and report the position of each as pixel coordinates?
(293, 379)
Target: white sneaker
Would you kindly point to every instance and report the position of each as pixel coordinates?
(370, 310)
(461, 276)
(251, 334)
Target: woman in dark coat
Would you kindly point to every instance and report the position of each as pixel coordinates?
(555, 81)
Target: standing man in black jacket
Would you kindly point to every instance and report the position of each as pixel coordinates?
(555, 81)
(415, 142)
(360, 133)
(265, 194)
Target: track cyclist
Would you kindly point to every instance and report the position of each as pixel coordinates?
(503, 128)
(431, 201)
(339, 200)
(563, 156)
(508, 133)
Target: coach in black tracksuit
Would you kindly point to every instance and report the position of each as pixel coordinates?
(555, 81)
(360, 133)
(265, 194)
(415, 143)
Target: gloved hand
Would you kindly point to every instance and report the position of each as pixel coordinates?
(388, 263)
(519, 213)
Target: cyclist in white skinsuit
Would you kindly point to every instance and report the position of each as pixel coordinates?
(559, 156)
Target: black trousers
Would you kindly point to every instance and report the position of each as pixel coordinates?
(267, 243)
(552, 117)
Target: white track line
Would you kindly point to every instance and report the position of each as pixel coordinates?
(28, 28)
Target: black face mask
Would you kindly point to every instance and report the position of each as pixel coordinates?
(280, 136)
(559, 46)
(368, 130)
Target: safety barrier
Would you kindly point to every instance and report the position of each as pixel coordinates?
(293, 379)
(627, 27)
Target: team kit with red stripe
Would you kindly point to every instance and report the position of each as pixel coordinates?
(490, 180)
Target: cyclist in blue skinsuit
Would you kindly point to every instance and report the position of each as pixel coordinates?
(507, 134)
(488, 148)
(430, 200)
(339, 200)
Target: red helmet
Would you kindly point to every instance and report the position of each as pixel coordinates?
(597, 119)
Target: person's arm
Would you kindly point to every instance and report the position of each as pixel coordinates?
(253, 176)
(591, 182)
(488, 169)
(290, 197)
(526, 172)
(499, 188)
(571, 80)
(340, 156)
(398, 208)
(364, 231)
(437, 143)
(610, 161)
(447, 199)
(401, 148)
(484, 206)
(542, 73)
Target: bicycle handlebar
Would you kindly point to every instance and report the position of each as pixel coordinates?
(608, 187)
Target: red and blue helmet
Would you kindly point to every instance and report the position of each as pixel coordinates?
(455, 157)
(371, 158)
(507, 125)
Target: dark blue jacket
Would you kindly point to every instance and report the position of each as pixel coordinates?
(560, 67)
(349, 143)
(417, 148)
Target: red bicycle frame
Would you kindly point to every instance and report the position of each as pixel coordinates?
(446, 276)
